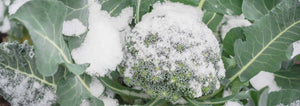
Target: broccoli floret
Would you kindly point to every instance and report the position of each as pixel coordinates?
(171, 54)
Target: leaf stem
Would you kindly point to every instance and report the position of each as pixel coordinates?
(201, 3)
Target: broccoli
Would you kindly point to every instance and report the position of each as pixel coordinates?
(170, 56)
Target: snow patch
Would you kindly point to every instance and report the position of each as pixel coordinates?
(232, 103)
(230, 22)
(22, 90)
(5, 25)
(15, 6)
(263, 79)
(109, 101)
(6, 2)
(102, 47)
(295, 103)
(96, 87)
(227, 93)
(296, 51)
(73, 28)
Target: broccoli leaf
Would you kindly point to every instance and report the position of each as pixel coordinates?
(288, 79)
(255, 9)
(76, 9)
(122, 90)
(19, 76)
(228, 7)
(44, 20)
(283, 97)
(267, 41)
(233, 35)
(140, 7)
(259, 97)
(212, 19)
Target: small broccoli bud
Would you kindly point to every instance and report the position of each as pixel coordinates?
(171, 54)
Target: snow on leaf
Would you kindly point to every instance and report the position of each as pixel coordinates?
(73, 28)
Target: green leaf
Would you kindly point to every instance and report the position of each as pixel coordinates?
(228, 7)
(212, 19)
(237, 85)
(44, 19)
(284, 97)
(288, 79)
(259, 97)
(155, 102)
(233, 35)
(20, 59)
(267, 41)
(76, 9)
(255, 9)
(18, 70)
(73, 90)
(77, 69)
(240, 96)
(121, 90)
(229, 63)
(96, 102)
(140, 7)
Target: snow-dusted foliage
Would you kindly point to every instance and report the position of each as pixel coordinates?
(263, 79)
(18, 86)
(102, 47)
(232, 103)
(296, 46)
(171, 53)
(230, 22)
(73, 28)
(295, 103)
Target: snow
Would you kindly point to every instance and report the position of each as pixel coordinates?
(230, 22)
(295, 103)
(102, 47)
(232, 103)
(5, 25)
(6, 2)
(73, 27)
(23, 90)
(96, 87)
(15, 6)
(169, 35)
(296, 51)
(263, 79)
(109, 101)
(227, 93)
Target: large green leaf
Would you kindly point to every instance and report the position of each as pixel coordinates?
(255, 9)
(259, 97)
(44, 19)
(267, 40)
(229, 7)
(283, 97)
(288, 79)
(18, 70)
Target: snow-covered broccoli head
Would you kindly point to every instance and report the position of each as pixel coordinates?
(171, 53)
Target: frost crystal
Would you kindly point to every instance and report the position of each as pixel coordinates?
(171, 53)
(73, 28)
(15, 6)
(23, 90)
(263, 79)
(102, 47)
(230, 22)
(295, 103)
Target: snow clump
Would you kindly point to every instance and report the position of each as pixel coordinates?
(172, 53)
(263, 79)
(15, 6)
(230, 22)
(102, 47)
(295, 103)
(73, 28)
